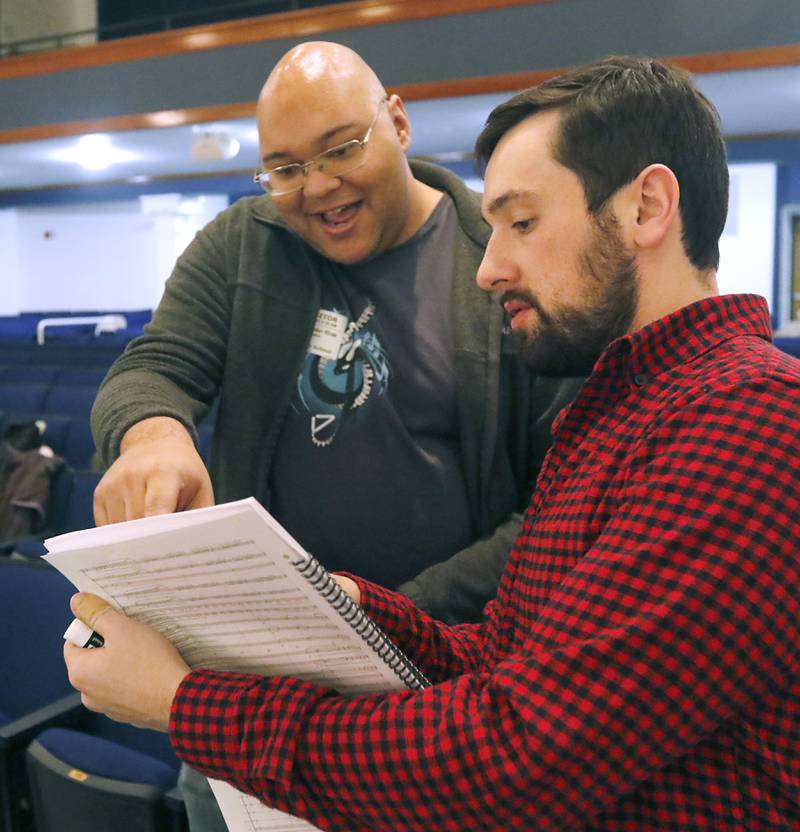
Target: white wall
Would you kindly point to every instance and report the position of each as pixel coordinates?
(114, 256)
(25, 19)
(73, 260)
(747, 246)
(176, 220)
(9, 264)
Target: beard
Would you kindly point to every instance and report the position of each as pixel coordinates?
(569, 340)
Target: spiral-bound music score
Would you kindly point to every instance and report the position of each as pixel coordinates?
(233, 591)
(322, 580)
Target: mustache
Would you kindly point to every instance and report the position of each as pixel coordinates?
(525, 297)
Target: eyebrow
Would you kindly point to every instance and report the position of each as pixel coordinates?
(325, 137)
(509, 196)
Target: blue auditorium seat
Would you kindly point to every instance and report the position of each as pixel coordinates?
(16, 397)
(35, 693)
(56, 432)
(34, 373)
(104, 776)
(73, 356)
(61, 354)
(72, 399)
(82, 375)
(211, 415)
(35, 697)
(70, 437)
(204, 436)
(80, 446)
(789, 345)
(80, 510)
(14, 354)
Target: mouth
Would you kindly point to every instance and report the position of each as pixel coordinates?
(515, 309)
(341, 219)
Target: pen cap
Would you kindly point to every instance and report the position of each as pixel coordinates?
(79, 634)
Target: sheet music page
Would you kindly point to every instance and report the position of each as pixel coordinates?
(221, 585)
(243, 813)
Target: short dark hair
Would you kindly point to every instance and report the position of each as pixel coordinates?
(620, 115)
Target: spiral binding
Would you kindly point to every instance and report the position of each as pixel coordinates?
(322, 580)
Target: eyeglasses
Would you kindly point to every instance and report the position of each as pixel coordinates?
(333, 162)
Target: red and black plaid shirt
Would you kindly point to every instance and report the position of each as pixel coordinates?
(640, 667)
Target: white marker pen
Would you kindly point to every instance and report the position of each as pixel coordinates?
(80, 635)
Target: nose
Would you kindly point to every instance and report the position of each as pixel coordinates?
(495, 271)
(319, 184)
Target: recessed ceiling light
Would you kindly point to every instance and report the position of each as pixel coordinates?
(94, 152)
(214, 146)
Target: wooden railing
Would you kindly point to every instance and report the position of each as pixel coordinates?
(312, 23)
(306, 23)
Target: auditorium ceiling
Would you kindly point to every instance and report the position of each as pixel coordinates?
(761, 103)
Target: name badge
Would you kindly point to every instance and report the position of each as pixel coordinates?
(328, 334)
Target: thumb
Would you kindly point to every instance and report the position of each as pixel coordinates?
(91, 609)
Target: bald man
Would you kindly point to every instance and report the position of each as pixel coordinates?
(367, 396)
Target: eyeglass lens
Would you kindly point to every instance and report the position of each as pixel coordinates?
(336, 161)
(333, 162)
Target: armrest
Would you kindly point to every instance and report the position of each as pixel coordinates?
(173, 801)
(66, 711)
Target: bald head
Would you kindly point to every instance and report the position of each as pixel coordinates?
(316, 71)
(320, 97)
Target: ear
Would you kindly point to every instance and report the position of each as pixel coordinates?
(655, 197)
(400, 120)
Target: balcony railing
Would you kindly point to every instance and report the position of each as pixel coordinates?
(158, 23)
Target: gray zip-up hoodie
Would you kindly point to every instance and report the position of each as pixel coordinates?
(235, 321)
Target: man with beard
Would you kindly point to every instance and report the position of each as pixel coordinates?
(640, 666)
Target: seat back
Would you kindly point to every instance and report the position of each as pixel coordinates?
(59, 500)
(789, 345)
(23, 396)
(73, 399)
(56, 430)
(36, 374)
(67, 799)
(91, 376)
(34, 612)
(70, 437)
(205, 435)
(105, 777)
(80, 511)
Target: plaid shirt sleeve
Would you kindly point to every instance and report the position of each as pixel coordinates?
(439, 650)
(679, 620)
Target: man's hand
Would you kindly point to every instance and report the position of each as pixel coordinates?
(158, 471)
(133, 676)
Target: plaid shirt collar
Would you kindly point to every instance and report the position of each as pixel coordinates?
(684, 335)
(632, 361)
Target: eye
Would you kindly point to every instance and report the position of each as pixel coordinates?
(341, 151)
(523, 226)
(285, 172)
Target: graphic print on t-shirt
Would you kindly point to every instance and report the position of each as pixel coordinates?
(344, 366)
